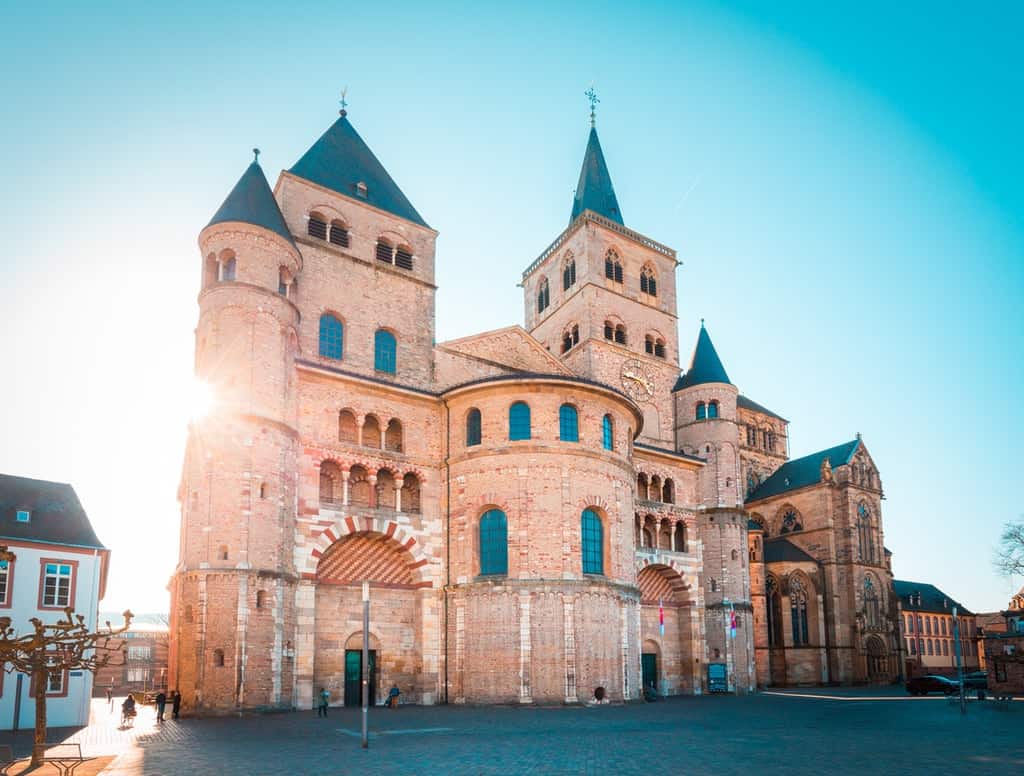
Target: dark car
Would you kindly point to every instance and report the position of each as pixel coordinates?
(976, 680)
(922, 685)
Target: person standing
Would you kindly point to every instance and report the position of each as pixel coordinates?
(110, 700)
(176, 703)
(325, 697)
(161, 704)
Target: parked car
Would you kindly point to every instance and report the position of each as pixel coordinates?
(976, 680)
(922, 685)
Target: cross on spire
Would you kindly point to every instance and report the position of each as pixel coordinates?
(342, 102)
(256, 155)
(591, 95)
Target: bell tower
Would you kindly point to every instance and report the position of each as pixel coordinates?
(602, 297)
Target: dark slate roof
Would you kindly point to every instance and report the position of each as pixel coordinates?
(57, 515)
(778, 550)
(931, 598)
(801, 472)
(252, 202)
(666, 451)
(595, 191)
(747, 404)
(705, 366)
(340, 160)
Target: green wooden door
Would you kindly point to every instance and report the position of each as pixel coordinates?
(649, 669)
(354, 677)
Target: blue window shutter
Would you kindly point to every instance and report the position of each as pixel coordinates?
(332, 337)
(519, 421)
(493, 543)
(384, 346)
(568, 424)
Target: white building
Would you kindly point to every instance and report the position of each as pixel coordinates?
(59, 562)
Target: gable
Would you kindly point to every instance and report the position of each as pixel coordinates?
(802, 472)
(511, 348)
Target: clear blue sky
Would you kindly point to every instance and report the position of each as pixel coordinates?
(842, 183)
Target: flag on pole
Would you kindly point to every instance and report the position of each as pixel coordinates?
(661, 617)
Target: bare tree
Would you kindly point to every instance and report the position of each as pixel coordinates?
(1010, 553)
(50, 650)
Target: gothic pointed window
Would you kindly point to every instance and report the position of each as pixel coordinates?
(519, 421)
(866, 545)
(791, 522)
(332, 336)
(648, 283)
(773, 612)
(317, 226)
(493, 543)
(473, 428)
(798, 612)
(569, 274)
(543, 296)
(872, 609)
(384, 351)
(593, 542)
(607, 433)
(613, 266)
(568, 424)
(702, 410)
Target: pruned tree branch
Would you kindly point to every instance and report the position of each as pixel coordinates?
(1009, 559)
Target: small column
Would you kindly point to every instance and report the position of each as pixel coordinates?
(372, 479)
(398, 495)
(344, 487)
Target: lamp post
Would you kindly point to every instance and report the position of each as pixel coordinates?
(366, 661)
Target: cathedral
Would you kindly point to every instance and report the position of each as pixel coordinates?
(545, 513)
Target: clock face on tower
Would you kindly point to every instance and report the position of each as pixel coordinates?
(637, 380)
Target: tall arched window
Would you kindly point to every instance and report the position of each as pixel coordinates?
(569, 274)
(872, 610)
(679, 538)
(668, 490)
(348, 430)
(649, 344)
(702, 410)
(543, 295)
(659, 348)
(648, 283)
(332, 337)
(568, 424)
(227, 269)
(570, 338)
(612, 266)
(519, 421)
(493, 542)
(393, 436)
(607, 433)
(774, 612)
(867, 547)
(473, 428)
(593, 543)
(712, 409)
(384, 347)
(609, 330)
(798, 611)
(620, 334)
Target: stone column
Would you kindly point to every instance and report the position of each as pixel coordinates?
(398, 495)
(344, 487)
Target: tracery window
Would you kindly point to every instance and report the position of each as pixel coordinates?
(593, 542)
(867, 546)
(543, 296)
(648, 282)
(493, 542)
(872, 609)
(569, 274)
(613, 266)
(774, 612)
(519, 421)
(791, 522)
(798, 611)
(568, 424)
(332, 337)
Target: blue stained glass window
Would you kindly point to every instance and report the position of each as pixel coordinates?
(519, 421)
(702, 411)
(493, 542)
(593, 543)
(568, 424)
(332, 336)
(607, 433)
(384, 351)
(473, 431)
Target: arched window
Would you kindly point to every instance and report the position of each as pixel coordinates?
(774, 612)
(607, 433)
(543, 296)
(648, 537)
(570, 338)
(612, 266)
(668, 491)
(620, 334)
(679, 540)
(593, 543)
(569, 274)
(649, 344)
(371, 432)
(473, 428)
(642, 492)
(384, 252)
(867, 547)
(339, 234)
(798, 611)
(227, 269)
(493, 542)
(411, 493)
(385, 489)
(332, 337)
(384, 347)
(519, 421)
(872, 611)
(791, 522)
(348, 431)
(317, 226)
(403, 257)
(218, 658)
(261, 599)
(702, 410)
(712, 409)
(393, 436)
(648, 282)
(568, 424)
(659, 348)
(330, 483)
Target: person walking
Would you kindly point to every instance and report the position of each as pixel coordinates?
(176, 703)
(161, 704)
(325, 697)
(110, 700)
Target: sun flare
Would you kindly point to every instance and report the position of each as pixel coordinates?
(201, 399)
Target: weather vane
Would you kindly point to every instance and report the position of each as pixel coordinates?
(256, 155)
(591, 95)
(343, 102)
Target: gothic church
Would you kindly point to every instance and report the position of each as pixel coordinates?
(540, 511)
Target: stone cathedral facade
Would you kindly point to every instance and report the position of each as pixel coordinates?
(540, 511)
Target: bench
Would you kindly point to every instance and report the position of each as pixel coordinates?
(6, 758)
(64, 757)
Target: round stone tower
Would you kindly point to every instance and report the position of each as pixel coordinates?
(237, 490)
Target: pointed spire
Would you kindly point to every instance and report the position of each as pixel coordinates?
(705, 366)
(252, 202)
(594, 191)
(341, 161)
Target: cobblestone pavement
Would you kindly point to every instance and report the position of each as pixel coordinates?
(836, 732)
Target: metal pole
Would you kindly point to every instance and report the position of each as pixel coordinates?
(366, 661)
(959, 665)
